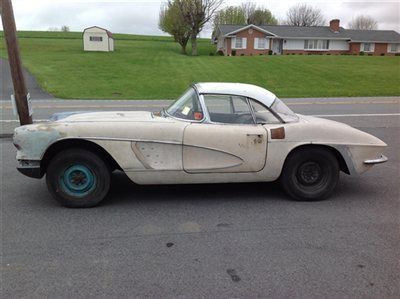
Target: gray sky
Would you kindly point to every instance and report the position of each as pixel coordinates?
(141, 17)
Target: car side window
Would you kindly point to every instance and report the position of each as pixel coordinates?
(262, 113)
(228, 109)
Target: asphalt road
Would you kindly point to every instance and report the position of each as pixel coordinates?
(222, 241)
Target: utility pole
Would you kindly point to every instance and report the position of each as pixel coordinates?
(20, 90)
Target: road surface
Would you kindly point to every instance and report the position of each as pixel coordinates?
(215, 241)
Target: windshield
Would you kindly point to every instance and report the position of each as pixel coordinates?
(187, 107)
(284, 111)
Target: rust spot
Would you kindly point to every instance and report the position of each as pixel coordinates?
(278, 133)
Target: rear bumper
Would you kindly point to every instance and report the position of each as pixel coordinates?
(382, 159)
(30, 168)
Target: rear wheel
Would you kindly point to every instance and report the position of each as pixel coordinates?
(78, 178)
(310, 174)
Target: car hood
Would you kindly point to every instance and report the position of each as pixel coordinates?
(108, 116)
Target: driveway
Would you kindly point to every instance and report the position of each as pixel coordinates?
(6, 87)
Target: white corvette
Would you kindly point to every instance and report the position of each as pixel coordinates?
(214, 133)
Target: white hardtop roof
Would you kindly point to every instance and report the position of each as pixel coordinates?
(247, 90)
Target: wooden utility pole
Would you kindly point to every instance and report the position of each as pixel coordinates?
(10, 33)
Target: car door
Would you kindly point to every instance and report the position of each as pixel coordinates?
(229, 142)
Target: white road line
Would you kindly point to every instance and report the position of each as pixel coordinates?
(356, 115)
(318, 115)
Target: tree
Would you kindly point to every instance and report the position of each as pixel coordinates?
(258, 15)
(304, 15)
(364, 23)
(171, 21)
(230, 15)
(196, 13)
(64, 28)
(262, 16)
(247, 13)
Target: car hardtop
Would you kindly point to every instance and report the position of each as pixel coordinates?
(239, 89)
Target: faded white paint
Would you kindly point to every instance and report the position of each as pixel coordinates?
(106, 44)
(162, 150)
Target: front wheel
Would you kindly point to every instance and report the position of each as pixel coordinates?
(310, 174)
(78, 178)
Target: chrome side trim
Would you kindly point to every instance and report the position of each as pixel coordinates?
(382, 159)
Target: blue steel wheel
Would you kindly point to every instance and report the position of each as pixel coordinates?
(78, 178)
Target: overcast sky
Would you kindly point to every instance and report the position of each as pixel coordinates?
(141, 17)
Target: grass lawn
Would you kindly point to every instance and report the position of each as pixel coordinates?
(148, 67)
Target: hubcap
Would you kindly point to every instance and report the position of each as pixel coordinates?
(77, 180)
(309, 173)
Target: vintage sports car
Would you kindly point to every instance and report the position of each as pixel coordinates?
(214, 133)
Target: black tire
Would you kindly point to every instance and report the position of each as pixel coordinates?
(310, 174)
(78, 178)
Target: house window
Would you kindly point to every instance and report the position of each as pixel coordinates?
(367, 47)
(96, 38)
(316, 44)
(260, 43)
(393, 48)
(239, 43)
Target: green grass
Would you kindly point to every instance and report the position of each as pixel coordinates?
(151, 67)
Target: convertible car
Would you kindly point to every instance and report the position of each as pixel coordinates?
(214, 133)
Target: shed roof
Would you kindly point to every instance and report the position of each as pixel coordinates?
(108, 32)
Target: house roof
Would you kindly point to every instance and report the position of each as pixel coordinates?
(240, 89)
(287, 31)
(108, 32)
(373, 35)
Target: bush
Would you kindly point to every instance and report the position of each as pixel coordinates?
(233, 52)
(362, 53)
(397, 54)
(242, 54)
(211, 54)
(220, 53)
(382, 54)
(269, 52)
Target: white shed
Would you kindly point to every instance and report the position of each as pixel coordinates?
(98, 39)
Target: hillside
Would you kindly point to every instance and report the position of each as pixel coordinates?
(151, 67)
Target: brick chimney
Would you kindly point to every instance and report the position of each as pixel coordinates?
(334, 25)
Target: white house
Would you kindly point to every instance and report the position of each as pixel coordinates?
(97, 39)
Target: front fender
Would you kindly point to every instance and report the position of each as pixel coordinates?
(31, 141)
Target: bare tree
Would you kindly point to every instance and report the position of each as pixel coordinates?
(196, 13)
(172, 22)
(248, 9)
(64, 28)
(364, 23)
(304, 15)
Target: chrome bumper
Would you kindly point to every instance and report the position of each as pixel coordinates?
(382, 159)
